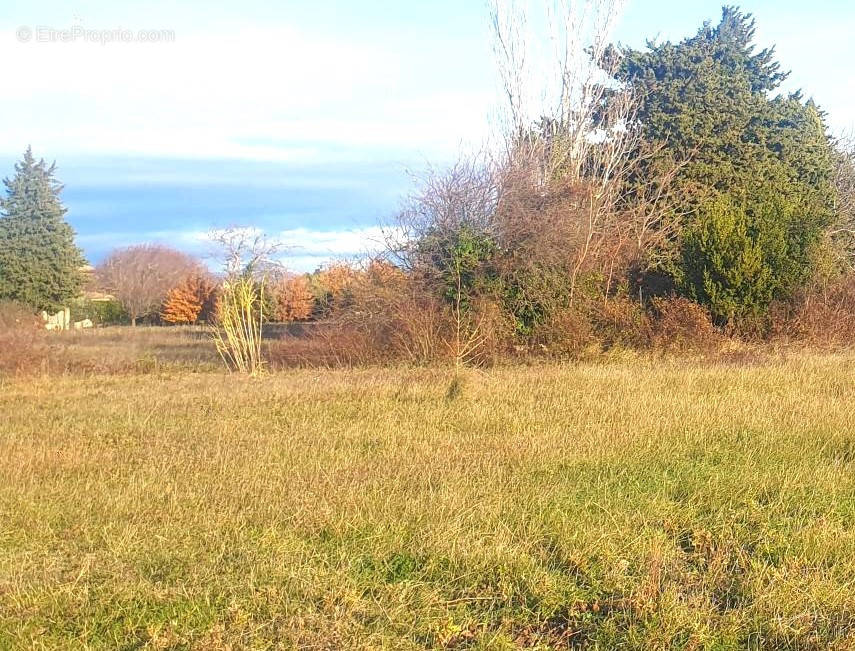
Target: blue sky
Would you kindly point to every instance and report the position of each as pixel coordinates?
(302, 118)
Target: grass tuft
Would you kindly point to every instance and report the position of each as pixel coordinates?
(455, 389)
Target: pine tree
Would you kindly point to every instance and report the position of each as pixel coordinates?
(767, 161)
(40, 265)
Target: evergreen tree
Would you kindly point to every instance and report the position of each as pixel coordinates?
(723, 263)
(758, 169)
(39, 263)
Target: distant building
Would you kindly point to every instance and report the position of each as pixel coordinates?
(59, 321)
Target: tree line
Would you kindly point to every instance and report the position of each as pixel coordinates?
(669, 188)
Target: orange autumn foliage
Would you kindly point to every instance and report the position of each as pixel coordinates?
(294, 299)
(337, 279)
(191, 300)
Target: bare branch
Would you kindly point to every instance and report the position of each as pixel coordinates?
(141, 276)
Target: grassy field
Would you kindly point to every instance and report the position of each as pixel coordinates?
(637, 504)
(140, 349)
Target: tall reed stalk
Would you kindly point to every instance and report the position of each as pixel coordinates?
(240, 320)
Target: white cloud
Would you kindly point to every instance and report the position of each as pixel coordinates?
(266, 93)
(301, 249)
(304, 241)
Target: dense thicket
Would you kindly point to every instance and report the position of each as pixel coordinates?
(683, 198)
(756, 193)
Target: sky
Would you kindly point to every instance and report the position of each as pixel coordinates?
(307, 119)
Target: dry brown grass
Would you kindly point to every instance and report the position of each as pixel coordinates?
(637, 504)
(821, 317)
(123, 349)
(23, 340)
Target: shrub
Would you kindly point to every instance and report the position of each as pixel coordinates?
(566, 334)
(739, 255)
(396, 318)
(393, 317)
(240, 318)
(723, 265)
(23, 340)
(102, 312)
(328, 345)
(821, 316)
(682, 325)
(620, 322)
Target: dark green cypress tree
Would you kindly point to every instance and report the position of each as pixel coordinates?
(40, 265)
(768, 161)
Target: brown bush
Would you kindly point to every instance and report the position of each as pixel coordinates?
(393, 317)
(328, 345)
(620, 322)
(408, 322)
(567, 334)
(821, 316)
(385, 319)
(681, 325)
(23, 340)
(497, 328)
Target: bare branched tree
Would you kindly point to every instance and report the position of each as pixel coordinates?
(509, 22)
(463, 196)
(556, 82)
(444, 238)
(141, 276)
(570, 141)
(245, 250)
(248, 260)
(573, 148)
